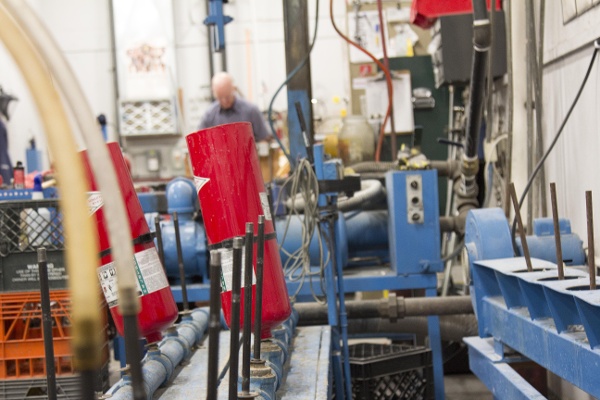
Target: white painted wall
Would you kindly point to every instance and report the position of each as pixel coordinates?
(255, 56)
(573, 163)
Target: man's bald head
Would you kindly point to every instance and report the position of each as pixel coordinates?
(223, 89)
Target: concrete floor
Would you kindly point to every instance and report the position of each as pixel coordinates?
(465, 387)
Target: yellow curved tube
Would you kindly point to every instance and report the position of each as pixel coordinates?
(81, 248)
(118, 223)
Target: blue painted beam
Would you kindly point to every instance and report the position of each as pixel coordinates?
(567, 354)
(503, 381)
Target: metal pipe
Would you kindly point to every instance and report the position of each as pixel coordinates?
(134, 356)
(481, 45)
(162, 358)
(510, 95)
(513, 196)
(159, 242)
(214, 327)
(184, 297)
(557, 241)
(452, 327)
(87, 382)
(234, 350)
(537, 78)
(211, 66)
(590, 230)
(386, 308)
(260, 260)
(390, 86)
(336, 265)
(248, 255)
(47, 323)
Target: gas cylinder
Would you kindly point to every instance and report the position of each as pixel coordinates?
(231, 191)
(158, 308)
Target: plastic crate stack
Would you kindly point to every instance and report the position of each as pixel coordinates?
(24, 227)
(391, 372)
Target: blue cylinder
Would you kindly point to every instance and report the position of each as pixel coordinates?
(290, 236)
(367, 233)
(543, 246)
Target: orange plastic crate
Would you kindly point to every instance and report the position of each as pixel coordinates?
(21, 337)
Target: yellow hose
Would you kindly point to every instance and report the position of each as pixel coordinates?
(80, 232)
(117, 225)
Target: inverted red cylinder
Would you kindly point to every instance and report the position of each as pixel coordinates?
(158, 308)
(231, 191)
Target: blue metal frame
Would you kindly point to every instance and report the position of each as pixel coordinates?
(554, 323)
(497, 374)
(217, 19)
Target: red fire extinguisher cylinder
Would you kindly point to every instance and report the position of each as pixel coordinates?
(158, 308)
(231, 191)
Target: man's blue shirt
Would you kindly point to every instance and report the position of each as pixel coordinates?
(241, 111)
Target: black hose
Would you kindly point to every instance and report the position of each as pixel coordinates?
(558, 134)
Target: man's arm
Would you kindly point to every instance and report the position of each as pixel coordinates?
(259, 125)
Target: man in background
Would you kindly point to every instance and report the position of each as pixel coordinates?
(230, 108)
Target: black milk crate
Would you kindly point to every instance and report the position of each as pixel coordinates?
(26, 225)
(391, 372)
(67, 387)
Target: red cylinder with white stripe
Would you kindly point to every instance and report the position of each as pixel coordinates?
(158, 308)
(231, 192)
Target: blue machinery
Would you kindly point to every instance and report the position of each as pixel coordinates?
(409, 238)
(555, 323)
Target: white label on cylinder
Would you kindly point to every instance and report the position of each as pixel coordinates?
(264, 202)
(95, 202)
(227, 269)
(199, 182)
(148, 270)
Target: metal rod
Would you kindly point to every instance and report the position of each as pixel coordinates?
(211, 66)
(234, 348)
(87, 381)
(513, 196)
(260, 261)
(214, 327)
(270, 198)
(159, 242)
(184, 296)
(590, 229)
(133, 355)
(47, 323)
(249, 249)
(557, 239)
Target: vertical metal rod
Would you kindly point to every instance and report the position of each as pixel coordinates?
(248, 256)
(260, 261)
(590, 229)
(133, 354)
(214, 327)
(87, 384)
(557, 240)
(234, 348)
(269, 187)
(184, 297)
(513, 196)
(159, 242)
(211, 66)
(47, 323)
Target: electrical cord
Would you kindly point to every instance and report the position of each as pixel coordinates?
(556, 137)
(289, 78)
(303, 186)
(385, 71)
